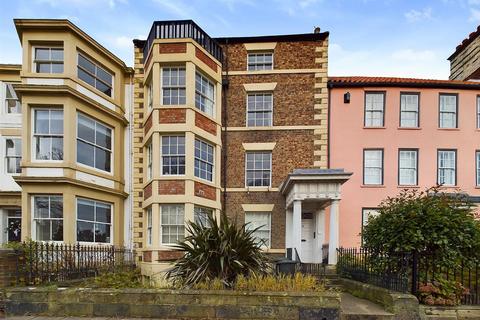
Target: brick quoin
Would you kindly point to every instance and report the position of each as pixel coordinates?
(205, 191)
(169, 255)
(147, 256)
(148, 125)
(171, 115)
(205, 59)
(172, 48)
(206, 124)
(147, 192)
(171, 187)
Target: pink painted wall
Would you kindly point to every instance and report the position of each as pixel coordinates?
(349, 138)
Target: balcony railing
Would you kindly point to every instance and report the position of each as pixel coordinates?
(182, 29)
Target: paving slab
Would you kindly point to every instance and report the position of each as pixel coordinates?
(353, 305)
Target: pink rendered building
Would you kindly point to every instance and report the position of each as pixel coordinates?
(396, 133)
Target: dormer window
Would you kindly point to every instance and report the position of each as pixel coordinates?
(48, 60)
(95, 75)
(260, 61)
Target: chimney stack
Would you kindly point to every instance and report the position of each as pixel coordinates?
(316, 30)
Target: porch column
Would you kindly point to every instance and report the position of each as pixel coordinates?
(320, 235)
(333, 240)
(297, 228)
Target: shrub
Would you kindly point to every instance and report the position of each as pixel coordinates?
(118, 280)
(430, 222)
(267, 283)
(222, 250)
(441, 292)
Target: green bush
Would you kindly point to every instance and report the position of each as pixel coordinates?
(117, 280)
(218, 249)
(267, 283)
(430, 222)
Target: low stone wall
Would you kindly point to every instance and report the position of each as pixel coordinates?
(458, 313)
(171, 304)
(403, 306)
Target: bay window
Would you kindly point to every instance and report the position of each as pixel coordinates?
(94, 143)
(48, 218)
(48, 134)
(94, 221)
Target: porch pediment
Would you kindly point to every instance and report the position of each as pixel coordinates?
(313, 184)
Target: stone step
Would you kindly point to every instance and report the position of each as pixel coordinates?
(353, 308)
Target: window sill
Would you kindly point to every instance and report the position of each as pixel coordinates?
(408, 186)
(372, 186)
(448, 129)
(409, 128)
(364, 127)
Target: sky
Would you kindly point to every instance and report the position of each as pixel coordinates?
(403, 38)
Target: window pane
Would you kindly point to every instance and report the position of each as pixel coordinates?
(104, 136)
(41, 121)
(102, 233)
(57, 230)
(41, 207)
(56, 54)
(43, 148)
(85, 231)
(57, 67)
(42, 54)
(56, 207)
(104, 76)
(42, 230)
(85, 210)
(85, 153)
(103, 88)
(103, 213)
(88, 78)
(86, 128)
(86, 64)
(43, 67)
(57, 148)
(56, 121)
(102, 159)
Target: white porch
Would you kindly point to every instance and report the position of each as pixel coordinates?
(308, 193)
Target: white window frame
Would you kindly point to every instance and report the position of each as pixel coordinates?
(6, 157)
(5, 86)
(162, 85)
(259, 111)
(257, 53)
(403, 104)
(204, 78)
(182, 205)
(441, 112)
(149, 96)
(254, 170)
(268, 227)
(97, 66)
(33, 219)
(34, 61)
(172, 155)
(149, 224)
(33, 153)
(112, 154)
(149, 162)
(366, 213)
(368, 122)
(112, 214)
(439, 169)
(415, 168)
(203, 160)
(382, 168)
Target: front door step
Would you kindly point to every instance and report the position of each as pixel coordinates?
(353, 308)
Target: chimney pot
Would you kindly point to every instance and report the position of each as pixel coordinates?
(316, 30)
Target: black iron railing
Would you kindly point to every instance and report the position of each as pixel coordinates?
(179, 29)
(409, 272)
(325, 248)
(40, 263)
(362, 265)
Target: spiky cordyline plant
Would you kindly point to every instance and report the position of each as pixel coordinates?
(222, 250)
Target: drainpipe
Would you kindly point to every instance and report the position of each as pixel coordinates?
(224, 127)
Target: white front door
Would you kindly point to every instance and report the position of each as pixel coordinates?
(308, 229)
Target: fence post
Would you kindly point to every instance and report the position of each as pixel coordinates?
(414, 273)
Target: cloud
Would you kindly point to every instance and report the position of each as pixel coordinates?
(294, 7)
(177, 8)
(231, 4)
(416, 15)
(412, 55)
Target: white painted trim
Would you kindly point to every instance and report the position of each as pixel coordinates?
(44, 172)
(258, 207)
(94, 179)
(45, 81)
(267, 46)
(89, 93)
(267, 86)
(259, 146)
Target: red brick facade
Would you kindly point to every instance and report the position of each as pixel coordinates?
(169, 255)
(172, 47)
(147, 256)
(206, 59)
(171, 187)
(147, 192)
(148, 125)
(172, 115)
(205, 191)
(206, 124)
